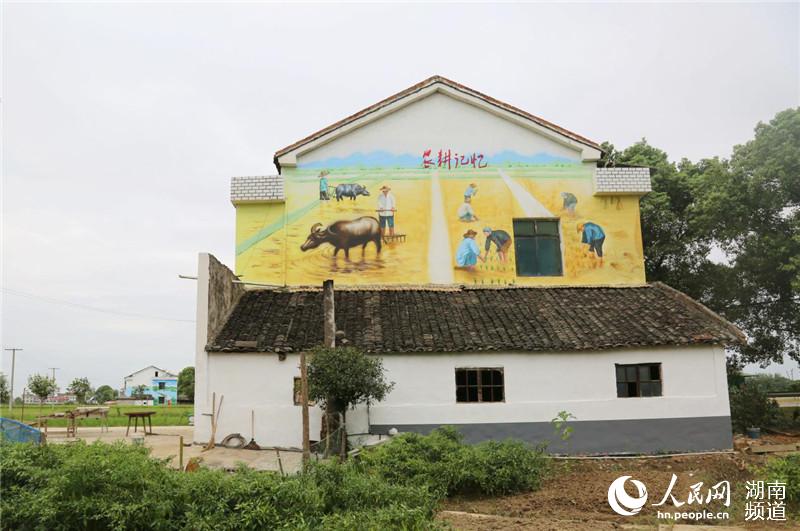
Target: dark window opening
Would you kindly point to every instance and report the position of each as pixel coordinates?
(160, 399)
(640, 380)
(480, 385)
(537, 248)
(156, 373)
(162, 385)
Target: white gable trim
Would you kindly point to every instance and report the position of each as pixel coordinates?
(289, 159)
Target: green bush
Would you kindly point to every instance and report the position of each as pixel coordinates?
(752, 408)
(101, 486)
(786, 470)
(451, 467)
(397, 485)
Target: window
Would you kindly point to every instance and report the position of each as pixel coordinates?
(156, 374)
(160, 399)
(643, 379)
(537, 247)
(479, 385)
(298, 393)
(162, 385)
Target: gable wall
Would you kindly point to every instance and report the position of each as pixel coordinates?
(519, 173)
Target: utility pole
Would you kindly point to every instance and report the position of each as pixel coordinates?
(304, 403)
(11, 390)
(55, 387)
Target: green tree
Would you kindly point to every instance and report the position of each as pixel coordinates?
(752, 211)
(140, 391)
(104, 393)
(747, 209)
(4, 393)
(340, 378)
(41, 386)
(81, 388)
(186, 384)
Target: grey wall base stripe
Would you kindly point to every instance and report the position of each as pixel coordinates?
(693, 434)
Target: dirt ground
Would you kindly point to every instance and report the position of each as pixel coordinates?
(575, 497)
(165, 443)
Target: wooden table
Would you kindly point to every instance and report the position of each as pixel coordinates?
(146, 416)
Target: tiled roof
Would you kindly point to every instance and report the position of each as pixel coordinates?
(416, 88)
(468, 319)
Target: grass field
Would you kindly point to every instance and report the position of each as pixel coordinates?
(165, 415)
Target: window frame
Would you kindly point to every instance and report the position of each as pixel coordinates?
(535, 238)
(638, 380)
(479, 386)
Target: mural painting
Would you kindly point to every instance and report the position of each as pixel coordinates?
(443, 216)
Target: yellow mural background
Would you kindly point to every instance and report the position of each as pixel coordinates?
(269, 236)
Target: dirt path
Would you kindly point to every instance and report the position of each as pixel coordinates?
(576, 496)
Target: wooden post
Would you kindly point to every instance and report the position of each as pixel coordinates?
(180, 455)
(327, 435)
(343, 441)
(304, 403)
(329, 313)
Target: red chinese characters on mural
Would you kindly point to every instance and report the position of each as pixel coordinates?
(446, 158)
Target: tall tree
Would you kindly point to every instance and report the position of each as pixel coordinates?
(727, 232)
(4, 393)
(186, 384)
(81, 388)
(752, 211)
(41, 386)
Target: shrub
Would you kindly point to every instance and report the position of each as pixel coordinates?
(786, 470)
(101, 486)
(752, 408)
(442, 461)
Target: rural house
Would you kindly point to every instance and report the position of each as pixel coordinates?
(490, 261)
(160, 384)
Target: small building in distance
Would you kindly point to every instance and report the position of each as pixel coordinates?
(56, 399)
(161, 385)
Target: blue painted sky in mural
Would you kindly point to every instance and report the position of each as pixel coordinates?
(385, 159)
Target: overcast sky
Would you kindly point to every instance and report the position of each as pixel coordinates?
(123, 124)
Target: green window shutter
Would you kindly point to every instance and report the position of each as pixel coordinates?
(537, 247)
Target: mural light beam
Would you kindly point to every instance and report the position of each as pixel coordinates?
(440, 269)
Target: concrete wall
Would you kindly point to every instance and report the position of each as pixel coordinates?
(216, 297)
(692, 414)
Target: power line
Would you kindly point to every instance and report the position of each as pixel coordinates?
(93, 308)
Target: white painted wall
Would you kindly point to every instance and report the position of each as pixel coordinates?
(537, 387)
(144, 377)
(264, 384)
(441, 122)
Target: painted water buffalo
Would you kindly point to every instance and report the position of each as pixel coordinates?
(350, 190)
(344, 235)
